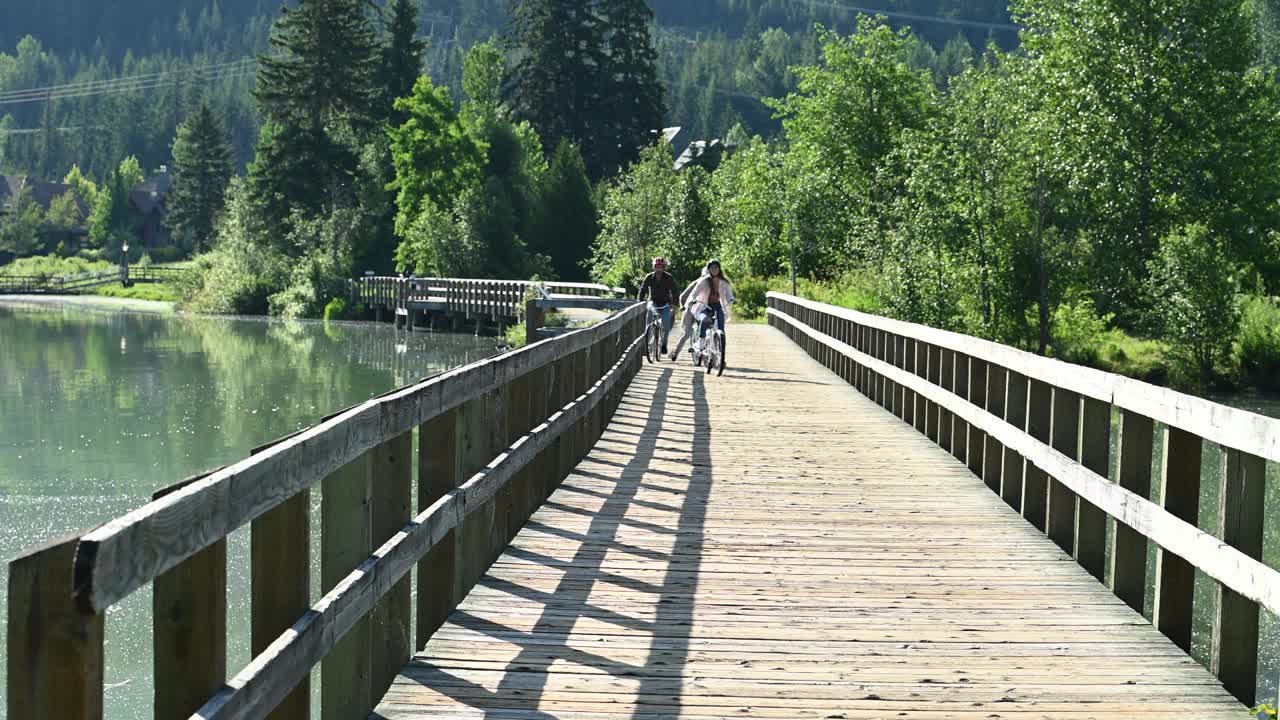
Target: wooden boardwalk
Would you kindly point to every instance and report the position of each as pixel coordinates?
(772, 544)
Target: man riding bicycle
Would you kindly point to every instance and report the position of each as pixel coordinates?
(660, 289)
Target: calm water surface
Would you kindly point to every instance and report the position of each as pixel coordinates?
(100, 409)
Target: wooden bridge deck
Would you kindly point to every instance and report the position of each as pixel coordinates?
(772, 544)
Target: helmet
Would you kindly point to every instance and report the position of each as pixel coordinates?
(659, 261)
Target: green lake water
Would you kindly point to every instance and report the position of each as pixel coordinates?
(100, 409)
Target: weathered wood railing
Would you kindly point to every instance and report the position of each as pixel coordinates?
(71, 284)
(494, 439)
(496, 299)
(1038, 432)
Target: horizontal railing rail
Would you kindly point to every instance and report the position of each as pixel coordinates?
(490, 298)
(494, 439)
(1038, 431)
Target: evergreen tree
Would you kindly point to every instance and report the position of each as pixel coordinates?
(202, 168)
(634, 104)
(566, 224)
(556, 83)
(400, 57)
(319, 89)
(110, 225)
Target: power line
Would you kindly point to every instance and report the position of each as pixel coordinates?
(131, 83)
(941, 20)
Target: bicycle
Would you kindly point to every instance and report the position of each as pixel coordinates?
(653, 333)
(710, 349)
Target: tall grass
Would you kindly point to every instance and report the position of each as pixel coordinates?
(1258, 343)
(54, 266)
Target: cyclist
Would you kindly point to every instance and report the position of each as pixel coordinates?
(686, 323)
(660, 289)
(711, 296)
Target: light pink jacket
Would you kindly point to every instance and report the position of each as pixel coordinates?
(702, 293)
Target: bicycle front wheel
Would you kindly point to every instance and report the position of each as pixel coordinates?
(720, 345)
(651, 343)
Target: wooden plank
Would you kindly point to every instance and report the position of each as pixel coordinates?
(1095, 454)
(1128, 572)
(189, 629)
(346, 539)
(1011, 463)
(1233, 645)
(55, 652)
(391, 508)
(1180, 497)
(1064, 433)
(992, 452)
(438, 474)
(280, 587)
(977, 395)
(1035, 486)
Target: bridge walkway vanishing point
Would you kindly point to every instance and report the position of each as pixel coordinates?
(771, 543)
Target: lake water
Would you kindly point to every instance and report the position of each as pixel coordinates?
(100, 409)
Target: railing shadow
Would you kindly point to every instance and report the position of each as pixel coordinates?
(521, 686)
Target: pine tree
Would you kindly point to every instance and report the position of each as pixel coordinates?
(566, 225)
(202, 168)
(318, 90)
(556, 83)
(400, 57)
(634, 104)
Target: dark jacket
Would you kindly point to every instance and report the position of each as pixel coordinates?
(660, 291)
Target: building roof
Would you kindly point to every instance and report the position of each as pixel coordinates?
(707, 153)
(44, 193)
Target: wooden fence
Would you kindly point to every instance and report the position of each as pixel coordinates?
(494, 439)
(1038, 432)
(72, 284)
(495, 299)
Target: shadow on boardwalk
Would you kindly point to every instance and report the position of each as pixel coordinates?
(654, 422)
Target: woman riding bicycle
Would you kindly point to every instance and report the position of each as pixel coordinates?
(712, 295)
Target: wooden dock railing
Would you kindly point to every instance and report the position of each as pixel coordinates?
(1038, 432)
(495, 299)
(494, 439)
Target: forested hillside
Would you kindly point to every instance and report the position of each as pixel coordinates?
(139, 68)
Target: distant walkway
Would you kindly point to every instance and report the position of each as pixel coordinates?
(773, 544)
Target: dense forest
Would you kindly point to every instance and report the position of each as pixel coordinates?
(139, 68)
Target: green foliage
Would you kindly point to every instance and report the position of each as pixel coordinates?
(242, 271)
(399, 57)
(131, 173)
(752, 296)
(634, 211)
(64, 212)
(1077, 331)
(83, 188)
(151, 292)
(202, 168)
(1265, 711)
(111, 223)
(1258, 348)
(435, 156)
(633, 99)
(54, 266)
(1194, 286)
(482, 73)
(566, 221)
(20, 226)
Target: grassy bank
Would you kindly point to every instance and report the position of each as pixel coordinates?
(155, 292)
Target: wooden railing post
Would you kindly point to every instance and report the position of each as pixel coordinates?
(960, 428)
(992, 451)
(1180, 495)
(346, 539)
(280, 585)
(1090, 540)
(1039, 422)
(1128, 572)
(438, 473)
(947, 378)
(1065, 438)
(934, 377)
(1015, 413)
(908, 364)
(921, 364)
(392, 508)
(55, 652)
(1233, 647)
(189, 630)
(977, 439)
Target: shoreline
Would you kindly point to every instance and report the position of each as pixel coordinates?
(92, 302)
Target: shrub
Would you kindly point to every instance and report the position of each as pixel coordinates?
(166, 254)
(1078, 331)
(1258, 343)
(751, 293)
(1194, 286)
(335, 310)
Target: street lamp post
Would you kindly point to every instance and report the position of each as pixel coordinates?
(124, 264)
